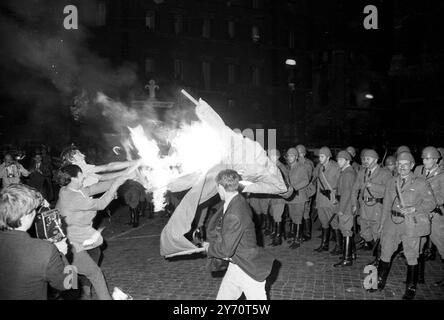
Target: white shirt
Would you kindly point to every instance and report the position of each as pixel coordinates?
(228, 200)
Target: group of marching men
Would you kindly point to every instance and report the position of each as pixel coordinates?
(384, 206)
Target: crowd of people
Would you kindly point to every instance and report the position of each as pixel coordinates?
(387, 208)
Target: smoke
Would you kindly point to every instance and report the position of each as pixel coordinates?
(44, 66)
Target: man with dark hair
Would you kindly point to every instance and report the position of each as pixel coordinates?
(234, 239)
(27, 265)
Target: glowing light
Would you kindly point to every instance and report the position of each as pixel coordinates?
(368, 96)
(290, 62)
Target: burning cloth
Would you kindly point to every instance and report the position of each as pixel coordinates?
(235, 152)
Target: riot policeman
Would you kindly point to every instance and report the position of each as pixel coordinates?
(309, 190)
(434, 175)
(408, 201)
(344, 210)
(369, 190)
(354, 164)
(390, 165)
(327, 175)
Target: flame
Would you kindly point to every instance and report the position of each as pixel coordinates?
(195, 148)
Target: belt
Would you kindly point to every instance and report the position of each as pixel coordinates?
(369, 199)
(397, 214)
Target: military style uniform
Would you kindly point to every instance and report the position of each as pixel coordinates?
(416, 193)
(298, 179)
(435, 178)
(277, 203)
(327, 180)
(345, 188)
(370, 200)
(309, 166)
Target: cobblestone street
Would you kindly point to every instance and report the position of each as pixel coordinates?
(132, 262)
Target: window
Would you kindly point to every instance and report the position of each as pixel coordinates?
(256, 80)
(291, 39)
(206, 74)
(178, 69)
(206, 28)
(178, 24)
(150, 20)
(231, 29)
(101, 14)
(231, 73)
(255, 33)
(149, 65)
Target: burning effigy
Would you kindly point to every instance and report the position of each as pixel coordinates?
(198, 152)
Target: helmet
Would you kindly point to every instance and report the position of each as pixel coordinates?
(405, 156)
(301, 149)
(371, 153)
(274, 152)
(363, 152)
(344, 155)
(430, 152)
(390, 160)
(351, 150)
(292, 151)
(403, 149)
(325, 151)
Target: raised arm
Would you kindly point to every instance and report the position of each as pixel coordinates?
(114, 166)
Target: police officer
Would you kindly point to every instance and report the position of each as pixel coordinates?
(407, 203)
(327, 175)
(434, 175)
(277, 203)
(298, 179)
(309, 190)
(390, 165)
(369, 190)
(354, 164)
(344, 210)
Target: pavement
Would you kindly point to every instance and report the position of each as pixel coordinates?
(133, 263)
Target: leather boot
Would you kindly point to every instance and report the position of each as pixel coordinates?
(421, 266)
(353, 248)
(135, 218)
(383, 272)
(430, 253)
(376, 254)
(307, 230)
(347, 253)
(297, 237)
(412, 280)
(338, 249)
(277, 239)
(291, 233)
(268, 225)
(273, 232)
(325, 240)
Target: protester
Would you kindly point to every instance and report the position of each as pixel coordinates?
(11, 171)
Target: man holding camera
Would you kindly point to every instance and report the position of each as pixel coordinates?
(11, 171)
(27, 265)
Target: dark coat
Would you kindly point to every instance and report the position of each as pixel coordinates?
(27, 267)
(232, 235)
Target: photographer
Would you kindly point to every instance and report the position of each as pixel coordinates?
(11, 171)
(27, 265)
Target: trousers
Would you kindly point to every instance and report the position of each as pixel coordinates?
(88, 267)
(325, 214)
(237, 281)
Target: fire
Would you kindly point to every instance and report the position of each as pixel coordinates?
(195, 148)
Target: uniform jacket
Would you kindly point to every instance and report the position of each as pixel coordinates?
(415, 193)
(27, 266)
(277, 199)
(378, 178)
(435, 180)
(298, 179)
(308, 165)
(331, 173)
(356, 166)
(345, 188)
(232, 236)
